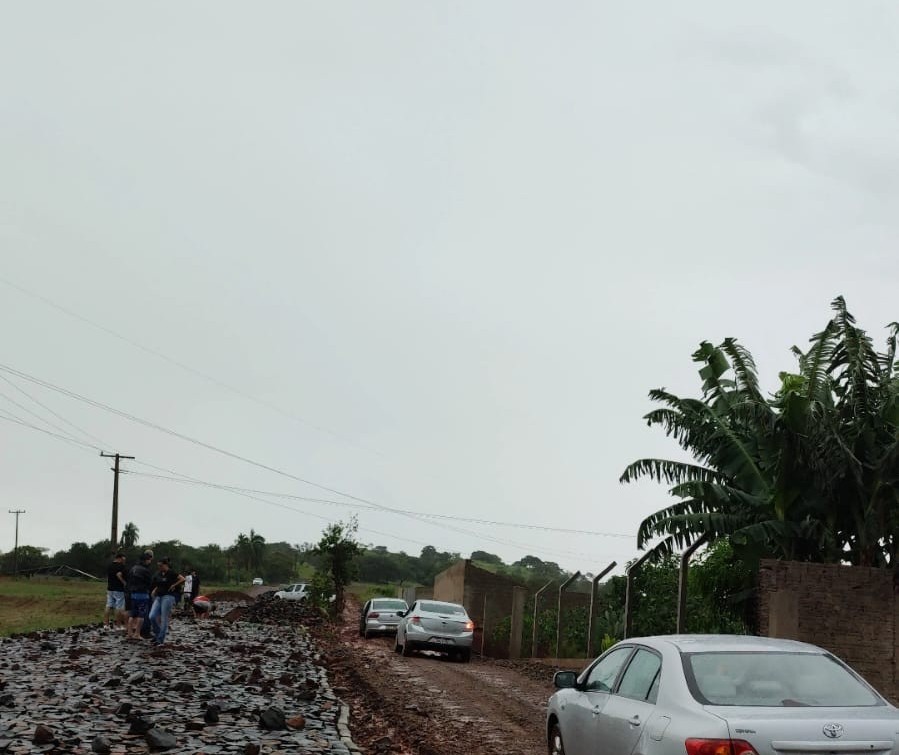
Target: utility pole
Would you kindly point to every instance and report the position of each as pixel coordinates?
(114, 537)
(15, 552)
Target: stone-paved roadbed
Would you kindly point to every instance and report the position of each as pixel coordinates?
(206, 691)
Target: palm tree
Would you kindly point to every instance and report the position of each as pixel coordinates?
(250, 550)
(129, 535)
(811, 473)
(256, 550)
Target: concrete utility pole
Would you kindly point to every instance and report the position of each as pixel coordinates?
(15, 552)
(114, 536)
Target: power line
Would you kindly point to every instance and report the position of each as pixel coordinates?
(55, 414)
(533, 549)
(192, 480)
(242, 492)
(79, 444)
(19, 421)
(230, 454)
(205, 376)
(450, 517)
(36, 415)
(187, 368)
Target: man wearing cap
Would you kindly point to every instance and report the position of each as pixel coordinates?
(139, 580)
(165, 591)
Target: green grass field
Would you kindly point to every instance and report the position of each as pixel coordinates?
(28, 604)
(49, 603)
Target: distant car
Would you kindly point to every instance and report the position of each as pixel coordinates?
(435, 625)
(381, 616)
(257, 581)
(298, 591)
(717, 695)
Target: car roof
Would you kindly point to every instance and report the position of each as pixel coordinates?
(723, 643)
(386, 598)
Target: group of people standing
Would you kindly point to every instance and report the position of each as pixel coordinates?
(144, 600)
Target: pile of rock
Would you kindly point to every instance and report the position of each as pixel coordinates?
(217, 688)
(270, 610)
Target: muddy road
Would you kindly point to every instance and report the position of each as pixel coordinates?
(429, 705)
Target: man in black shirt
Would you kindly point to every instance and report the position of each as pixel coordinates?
(115, 592)
(139, 579)
(165, 590)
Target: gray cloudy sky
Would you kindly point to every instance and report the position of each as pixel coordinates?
(457, 241)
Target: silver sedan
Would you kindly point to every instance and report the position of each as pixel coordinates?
(381, 616)
(718, 695)
(435, 625)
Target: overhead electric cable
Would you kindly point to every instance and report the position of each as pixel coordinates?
(54, 413)
(450, 517)
(216, 449)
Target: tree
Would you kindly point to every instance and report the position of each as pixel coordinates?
(129, 535)
(29, 557)
(486, 558)
(249, 550)
(811, 473)
(338, 549)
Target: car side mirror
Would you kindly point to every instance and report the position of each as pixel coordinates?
(401, 613)
(565, 679)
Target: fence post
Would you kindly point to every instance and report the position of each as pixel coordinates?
(682, 582)
(629, 594)
(559, 614)
(593, 590)
(519, 595)
(534, 633)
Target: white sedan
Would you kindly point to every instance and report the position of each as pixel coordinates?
(718, 695)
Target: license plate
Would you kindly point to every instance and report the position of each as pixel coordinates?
(441, 640)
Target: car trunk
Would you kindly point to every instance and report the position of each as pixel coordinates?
(383, 616)
(813, 731)
(443, 624)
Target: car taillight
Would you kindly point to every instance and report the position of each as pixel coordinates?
(374, 615)
(719, 747)
(416, 620)
(469, 626)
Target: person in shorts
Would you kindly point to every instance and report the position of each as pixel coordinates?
(139, 580)
(115, 592)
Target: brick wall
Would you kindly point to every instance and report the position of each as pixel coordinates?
(849, 610)
(486, 596)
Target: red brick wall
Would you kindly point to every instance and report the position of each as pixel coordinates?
(849, 610)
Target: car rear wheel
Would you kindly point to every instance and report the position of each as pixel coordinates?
(407, 648)
(465, 655)
(556, 746)
(365, 634)
(396, 645)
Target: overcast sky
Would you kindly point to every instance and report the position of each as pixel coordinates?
(440, 251)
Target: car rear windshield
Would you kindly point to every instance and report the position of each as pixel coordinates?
(451, 608)
(389, 605)
(773, 679)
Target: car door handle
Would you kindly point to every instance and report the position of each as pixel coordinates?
(635, 721)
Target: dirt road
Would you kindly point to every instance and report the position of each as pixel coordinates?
(428, 705)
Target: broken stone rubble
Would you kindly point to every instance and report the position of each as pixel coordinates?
(90, 691)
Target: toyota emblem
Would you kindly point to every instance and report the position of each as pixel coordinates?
(833, 731)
